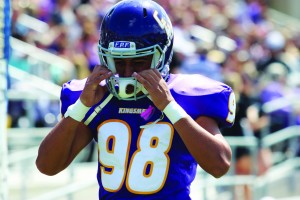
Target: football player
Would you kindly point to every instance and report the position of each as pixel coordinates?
(152, 128)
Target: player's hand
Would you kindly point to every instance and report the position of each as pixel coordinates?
(93, 92)
(156, 86)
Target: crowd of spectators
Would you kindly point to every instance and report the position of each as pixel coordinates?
(233, 41)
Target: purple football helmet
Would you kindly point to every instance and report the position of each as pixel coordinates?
(130, 29)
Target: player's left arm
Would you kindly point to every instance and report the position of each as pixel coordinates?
(202, 136)
(205, 142)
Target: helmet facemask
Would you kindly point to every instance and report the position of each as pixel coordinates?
(128, 88)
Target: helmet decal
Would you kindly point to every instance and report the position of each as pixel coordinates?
(164, 24)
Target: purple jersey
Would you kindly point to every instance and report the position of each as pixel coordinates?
(149, 162)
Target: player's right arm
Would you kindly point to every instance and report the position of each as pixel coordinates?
(61, 146)
(69, 137)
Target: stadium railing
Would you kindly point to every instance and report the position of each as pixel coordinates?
(283, 20)
(40, 62)
(29, 89)
(260, 185)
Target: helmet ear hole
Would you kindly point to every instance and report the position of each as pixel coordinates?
(110, 12)
(145, 12)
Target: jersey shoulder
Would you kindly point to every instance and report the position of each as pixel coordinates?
(195, 85)
(70, 92)
(202, 96)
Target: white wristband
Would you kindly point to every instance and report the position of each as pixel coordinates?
(174, 112)
(77, 111)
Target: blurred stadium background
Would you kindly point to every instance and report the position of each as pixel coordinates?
(253, 45)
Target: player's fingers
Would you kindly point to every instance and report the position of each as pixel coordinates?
(151, 76)
(99, 73)
(142, 80)
(96, 77)
(103, 76)
(99, 70)
(157, 73)
(148, 77)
